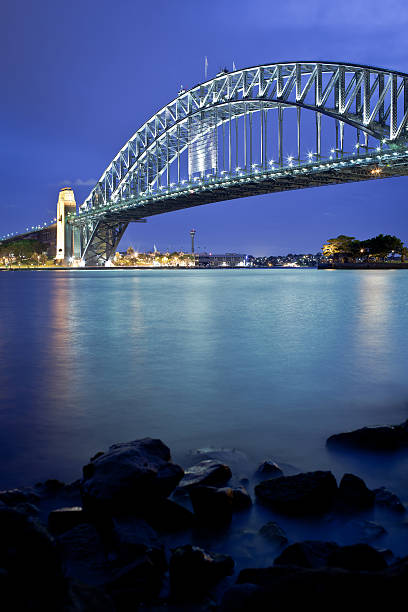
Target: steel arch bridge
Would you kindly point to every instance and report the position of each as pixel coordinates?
(259, 130)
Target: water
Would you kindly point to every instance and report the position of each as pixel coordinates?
(267, 361)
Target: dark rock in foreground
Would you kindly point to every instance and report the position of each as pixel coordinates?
(167, 515)
(212, 506)
(85, 556)
(358, 557)
(275, 534)
(366, 531)
(63, 519)
(128, 560)
(131, 538)
(384, 438)
(311, 553)
(31, 575)
(306, 493)
(129, 477)
(194, 571)
(354, 493)
(298, 588)
(268, 469)
(388, 500)
(12, 497)
(206, 472)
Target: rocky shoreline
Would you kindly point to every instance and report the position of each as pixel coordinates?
(139, 532)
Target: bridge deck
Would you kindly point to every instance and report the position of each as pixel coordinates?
(330, 172)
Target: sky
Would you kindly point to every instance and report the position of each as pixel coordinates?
(80, 77)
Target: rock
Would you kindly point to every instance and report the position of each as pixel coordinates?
(282, 588)
(81, 598)
(384, 438)
(12, 497)
(243, 598)
(52, 485)
(311, 553)
(236, 460)
(212, 506)
(32, 576)
(194, 571)
(389, 500)
(85, 556)
(268, 469)
(28, 509)
(140, 581)
(275, 534)
(305, 493)
(353, 492)
(366, 531)
(207, 472)
(128, 477)
(167, 515)
(128, 560)
(97, 455)
(63, 519)
(358, 557)
(132, 537)
(241, 500)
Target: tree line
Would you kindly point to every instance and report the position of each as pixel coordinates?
(23, 251)
(348, 248)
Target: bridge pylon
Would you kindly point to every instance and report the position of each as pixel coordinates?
(65, 242)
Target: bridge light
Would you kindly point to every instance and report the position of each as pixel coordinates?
(290, 158)
(237, 169)
(331, 150)
(271, 162)
(384, 140)
(310, 155)
(357, 145)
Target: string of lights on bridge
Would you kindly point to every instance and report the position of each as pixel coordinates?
(257, 171)
(29, 230)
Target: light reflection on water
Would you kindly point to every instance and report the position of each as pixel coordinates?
(268, 361)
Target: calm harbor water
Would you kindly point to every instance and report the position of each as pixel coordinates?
(267, 361)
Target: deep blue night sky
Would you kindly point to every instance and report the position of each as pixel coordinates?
(80, 77)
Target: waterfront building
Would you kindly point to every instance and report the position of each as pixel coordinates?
(226, 260)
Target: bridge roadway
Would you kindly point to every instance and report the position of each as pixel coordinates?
(385, 164)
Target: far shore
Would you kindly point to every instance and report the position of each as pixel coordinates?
(372, 265)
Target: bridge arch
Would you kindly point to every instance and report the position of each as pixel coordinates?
(372, 100)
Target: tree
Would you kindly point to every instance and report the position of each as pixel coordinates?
(342, 247)
(380, 246)
(22, 249)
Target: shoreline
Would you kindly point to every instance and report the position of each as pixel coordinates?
(363, 266)
(204, 534)
(63, 268)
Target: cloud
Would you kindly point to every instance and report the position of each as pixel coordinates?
(78, 182)
(85, 182)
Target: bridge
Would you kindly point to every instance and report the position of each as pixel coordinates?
(258, 130)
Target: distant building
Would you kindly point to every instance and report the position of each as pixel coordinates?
(227, 260)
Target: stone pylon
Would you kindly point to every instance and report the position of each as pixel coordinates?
(66, 204)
